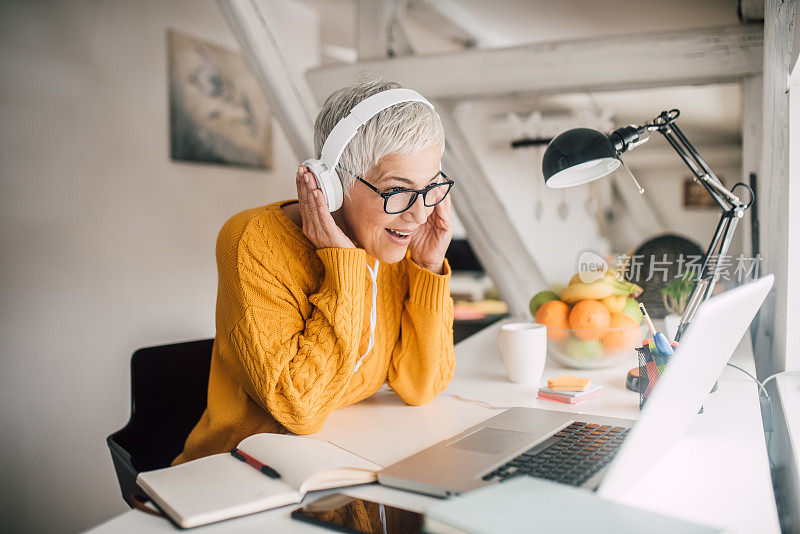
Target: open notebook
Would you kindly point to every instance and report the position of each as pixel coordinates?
(221, 486)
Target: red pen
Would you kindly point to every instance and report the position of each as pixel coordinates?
(246, 458)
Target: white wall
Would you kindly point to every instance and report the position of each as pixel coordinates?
(107, 245)
(516, 176)
(664, 188)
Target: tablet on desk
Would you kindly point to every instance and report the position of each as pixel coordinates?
(343, 513)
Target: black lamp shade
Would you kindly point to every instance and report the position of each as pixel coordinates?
(578, 156)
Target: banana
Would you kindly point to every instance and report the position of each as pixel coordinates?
(597, 290)
(577, 277)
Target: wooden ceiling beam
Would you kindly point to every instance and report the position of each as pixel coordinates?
(453, 20)
(654, 59)
(751, 11)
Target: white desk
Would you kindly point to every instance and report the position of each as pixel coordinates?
(717, 474)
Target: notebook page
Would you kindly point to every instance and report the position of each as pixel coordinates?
(296, 458)
(214, 488)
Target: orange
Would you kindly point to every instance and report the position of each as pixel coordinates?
(616, 340)
(553, 314)
(589, 314)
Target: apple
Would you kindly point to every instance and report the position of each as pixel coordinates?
(632, 310)
(584, 349)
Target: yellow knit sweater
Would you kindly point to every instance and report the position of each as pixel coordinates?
(292, 321)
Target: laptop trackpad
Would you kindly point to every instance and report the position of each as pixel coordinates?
(492, 440)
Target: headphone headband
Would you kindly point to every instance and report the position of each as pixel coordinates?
(324, 169)
(347, 128)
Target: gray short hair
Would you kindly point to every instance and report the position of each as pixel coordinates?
(400, 129)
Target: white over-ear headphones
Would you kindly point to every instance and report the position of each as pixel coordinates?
(324, 169)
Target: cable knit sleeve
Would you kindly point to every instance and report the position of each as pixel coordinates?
(297, 364)
(423, 360)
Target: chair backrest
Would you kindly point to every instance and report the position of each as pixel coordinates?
(169, 389)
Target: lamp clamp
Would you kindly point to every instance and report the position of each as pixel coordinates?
(627, 137)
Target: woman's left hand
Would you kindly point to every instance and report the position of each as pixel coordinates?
(430, 241)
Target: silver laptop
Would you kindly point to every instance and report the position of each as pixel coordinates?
(601, 453)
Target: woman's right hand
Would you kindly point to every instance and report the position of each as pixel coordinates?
(318, 224)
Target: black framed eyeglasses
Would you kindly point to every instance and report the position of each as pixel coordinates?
(398, 201)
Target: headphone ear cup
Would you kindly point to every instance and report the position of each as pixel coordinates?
(331, 185)
(334, 194)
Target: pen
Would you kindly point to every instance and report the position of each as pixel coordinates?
(661, 341)
(246, 458)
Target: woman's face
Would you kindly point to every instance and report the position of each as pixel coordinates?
(368, 225)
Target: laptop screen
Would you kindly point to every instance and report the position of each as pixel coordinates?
(719, 325)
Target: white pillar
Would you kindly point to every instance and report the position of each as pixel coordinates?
(777, 246)
(490, 230)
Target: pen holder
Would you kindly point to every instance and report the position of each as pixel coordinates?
(651, 365)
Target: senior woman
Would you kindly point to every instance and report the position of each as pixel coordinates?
(316, 310)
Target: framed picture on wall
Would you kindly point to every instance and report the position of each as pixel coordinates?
(695, 195)
(218, 113)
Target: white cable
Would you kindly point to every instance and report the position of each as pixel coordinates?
(382, 513)
(478, 402)
(373, 314)
(770, 377)
(760, 384)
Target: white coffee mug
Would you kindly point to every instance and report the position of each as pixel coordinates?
(523, 348)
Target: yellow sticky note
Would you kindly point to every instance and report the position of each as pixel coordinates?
(571, 382)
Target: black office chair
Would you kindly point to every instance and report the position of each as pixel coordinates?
(169, 388)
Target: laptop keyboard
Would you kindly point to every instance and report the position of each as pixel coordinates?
(570, 456)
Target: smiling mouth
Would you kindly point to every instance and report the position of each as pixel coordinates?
(398, 235)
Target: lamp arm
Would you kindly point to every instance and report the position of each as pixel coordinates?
(665, 124)
(629, 137)
(732, 207)
(709, 272)
(699, 174)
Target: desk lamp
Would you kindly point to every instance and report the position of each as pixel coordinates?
(581, 155)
